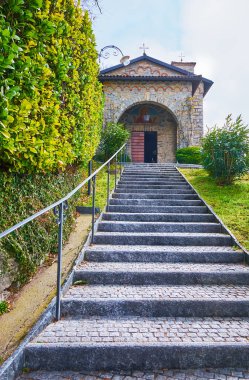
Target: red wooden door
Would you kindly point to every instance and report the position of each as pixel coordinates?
(137, 146)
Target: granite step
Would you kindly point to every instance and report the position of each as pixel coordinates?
(162, 238)
(176, 181)
(129, 226)
(158, 209)
(173, 254)
(150, 273)
(226, 373)
(188, 196)
(140, 343)
(128, 188)
(156, 178)
(158, 217)
(156, 301)
(155, 202)
(135, 190)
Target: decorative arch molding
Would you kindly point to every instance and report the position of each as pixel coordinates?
(146, 102)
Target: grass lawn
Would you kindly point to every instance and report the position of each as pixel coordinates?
(101, 187)
(230, 203)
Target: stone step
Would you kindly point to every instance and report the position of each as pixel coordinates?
(163, 191)
(159, 373)
(113, 273)
(162, 238)
(153, 182)
(130, 187)
(155, 202)
(157, 179)
(140, 344)
(158, 209)
(159, 217)
(157, 175)
(156, 301)
(173, 254)
(140, 195)
(128, 226)
(139, 178)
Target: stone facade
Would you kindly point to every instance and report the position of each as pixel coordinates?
(177, 91)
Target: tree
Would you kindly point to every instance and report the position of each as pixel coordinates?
(226, 151)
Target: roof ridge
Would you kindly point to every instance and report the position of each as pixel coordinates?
(150, 59)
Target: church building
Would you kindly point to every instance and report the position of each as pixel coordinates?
(161, 105)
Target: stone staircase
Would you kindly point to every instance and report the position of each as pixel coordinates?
(161, 287)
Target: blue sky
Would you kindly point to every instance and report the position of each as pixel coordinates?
(213, 33)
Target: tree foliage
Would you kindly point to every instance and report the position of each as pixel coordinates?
(50, 99)
(226, 151)
(113, 136)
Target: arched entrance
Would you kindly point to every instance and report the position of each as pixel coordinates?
(153, 132)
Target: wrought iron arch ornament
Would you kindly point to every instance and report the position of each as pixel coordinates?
(109, 50)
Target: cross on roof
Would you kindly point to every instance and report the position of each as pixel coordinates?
(181, 56)
(144, 48)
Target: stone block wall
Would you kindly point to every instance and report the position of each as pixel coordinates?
(176, 97)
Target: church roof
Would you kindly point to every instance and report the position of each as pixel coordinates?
(183, 75)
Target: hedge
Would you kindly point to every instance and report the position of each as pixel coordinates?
(23, 196)
(50, 100)
(189, 155)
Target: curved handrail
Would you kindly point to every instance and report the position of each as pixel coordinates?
(57, 203)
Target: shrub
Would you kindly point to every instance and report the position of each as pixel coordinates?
(226, 151)
(3, 307)
(189, 155)
(22, 196)
(50, 99)
(112, 138)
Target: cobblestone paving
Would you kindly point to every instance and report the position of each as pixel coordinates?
(164, 374)
(158, 292)
(147, 331)
(162, 267)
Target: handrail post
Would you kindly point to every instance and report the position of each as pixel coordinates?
(90, 166)
(120, 164)
(115, 172)
(93, 204)
(108, 186)
(60, 212)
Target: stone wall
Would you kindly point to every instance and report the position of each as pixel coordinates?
(176, 97)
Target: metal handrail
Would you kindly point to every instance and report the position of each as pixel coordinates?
(57, 203)
(60, 206)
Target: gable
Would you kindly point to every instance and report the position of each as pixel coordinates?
(144, 68)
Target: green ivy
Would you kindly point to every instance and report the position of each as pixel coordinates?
(50, 99)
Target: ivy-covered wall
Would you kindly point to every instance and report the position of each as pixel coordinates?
(50, 97)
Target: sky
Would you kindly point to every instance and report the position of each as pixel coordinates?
(212, 33)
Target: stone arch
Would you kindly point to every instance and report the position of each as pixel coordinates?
(145, 102)
(153, 128)
(140, 98)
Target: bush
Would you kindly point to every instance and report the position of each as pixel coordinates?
(50, 99)
(112, 138)
(3, 307)
(226, 151)
(189, 155)
(22, 196)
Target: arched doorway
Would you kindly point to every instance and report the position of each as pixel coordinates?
(153, 131)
